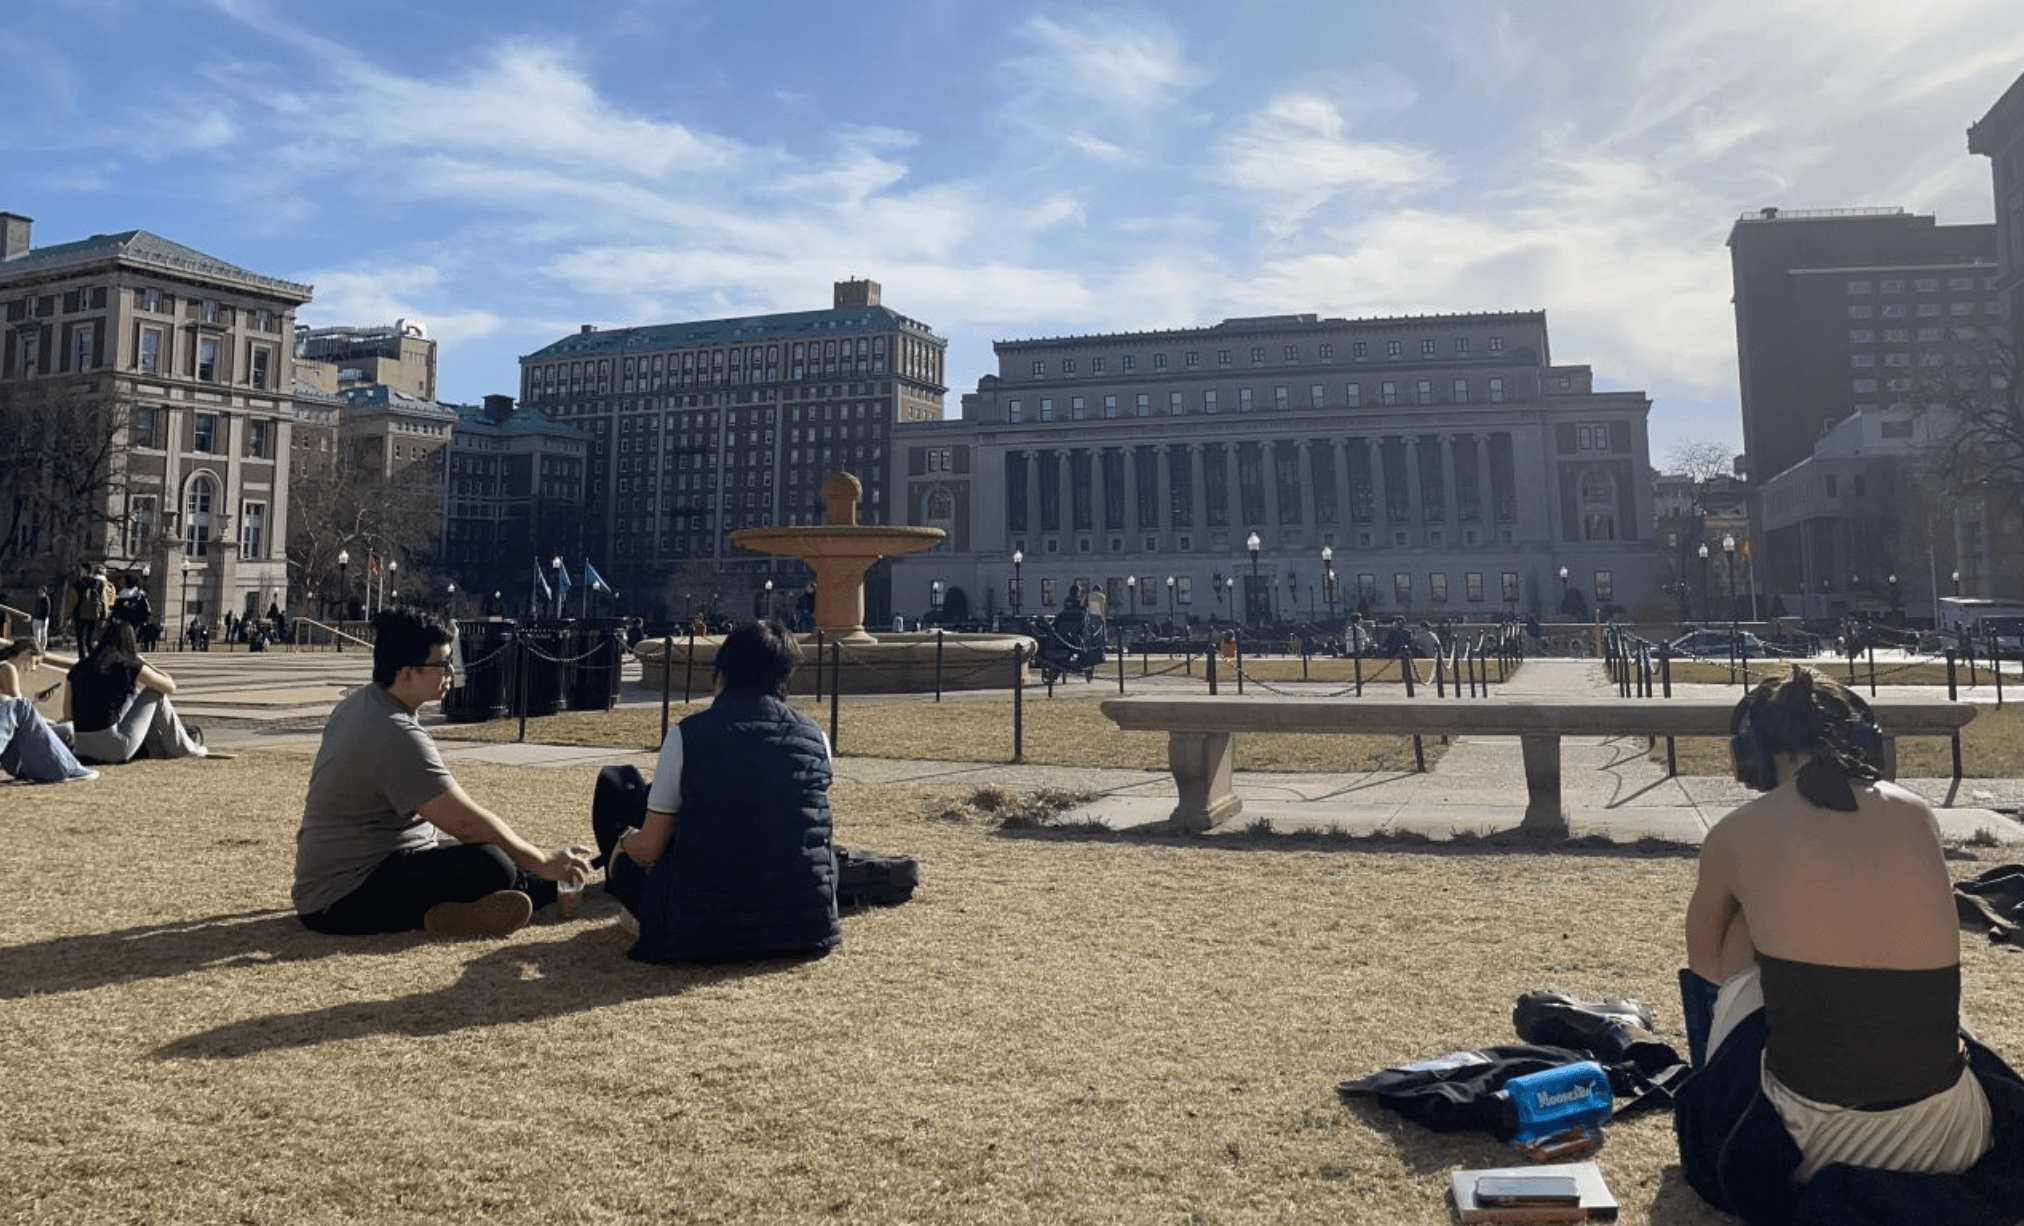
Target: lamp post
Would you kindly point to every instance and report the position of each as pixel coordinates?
(1896, 598)
(1703, 551)
(498, 603)
(935, 598)
(453, 602)
(1328, 580)
(1018, 587)
(1131, 582)
(1563, 590)
(1292, 596)
(1957, 583)
(769, 600)
(343, 588)
(1253, 544)
(1729, 552)
(1170, 605)
(393, 578)
(555, 567)
(183, 622)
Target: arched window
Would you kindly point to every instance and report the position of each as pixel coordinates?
(1598, 506)
(197, 516)
(941, 506)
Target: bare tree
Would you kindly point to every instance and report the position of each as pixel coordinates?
(1977, 440)
(700, 585)
(348, 505)
(63, 491)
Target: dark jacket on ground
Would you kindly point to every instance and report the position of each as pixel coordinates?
(750, 872)
(1735, 1151)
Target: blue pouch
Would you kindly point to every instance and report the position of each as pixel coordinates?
(1558, 1111)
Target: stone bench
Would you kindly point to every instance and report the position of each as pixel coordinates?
(1201, 735)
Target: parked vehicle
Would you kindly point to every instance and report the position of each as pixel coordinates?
(1721, 645)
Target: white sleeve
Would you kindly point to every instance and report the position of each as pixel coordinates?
(665, 796)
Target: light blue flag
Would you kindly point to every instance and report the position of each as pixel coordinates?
(595, 580)
(561, 584)
(541, 581)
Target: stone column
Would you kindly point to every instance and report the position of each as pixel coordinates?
(1413, 509)
(1099, 521)
(1131, 523)
(1233, 488)
(1486, 491)
(1064, 490)
(1345, 502)
(1304, 467)
(1032, 494)
(1380, 496)
(1450, 496)
(1268, 455)
(1197, 478)
(1163, 509)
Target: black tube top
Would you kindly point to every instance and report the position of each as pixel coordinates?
(1862, 1036)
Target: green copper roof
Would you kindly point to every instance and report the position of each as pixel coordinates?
(739, 331)
(523, 420)
(141, 247)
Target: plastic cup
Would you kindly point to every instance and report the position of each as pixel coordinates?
(569, 898)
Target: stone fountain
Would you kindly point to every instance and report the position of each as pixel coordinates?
(840, 550)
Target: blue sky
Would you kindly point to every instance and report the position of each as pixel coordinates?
(506, 171)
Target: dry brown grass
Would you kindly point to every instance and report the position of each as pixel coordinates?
(1066, 730)
(1058, 1029)
(1889, 671)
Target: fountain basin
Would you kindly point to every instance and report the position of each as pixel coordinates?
(894, 664)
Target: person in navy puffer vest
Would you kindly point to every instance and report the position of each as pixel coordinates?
(733, 860)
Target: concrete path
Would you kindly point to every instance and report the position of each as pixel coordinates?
(278, 700)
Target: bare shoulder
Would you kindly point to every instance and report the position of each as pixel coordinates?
(1902, 805)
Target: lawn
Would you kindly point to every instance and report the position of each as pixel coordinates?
(1061, 1027)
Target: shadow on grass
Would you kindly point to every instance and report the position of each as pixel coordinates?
(520, 981)
(160, 951)
(1261, 836)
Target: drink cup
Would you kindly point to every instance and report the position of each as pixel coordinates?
(568, 898)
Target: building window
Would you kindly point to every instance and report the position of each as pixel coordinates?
(1598, 507)
(207, 359)
(1460, 392)
(1129, 361)
(1244, 404)
(1159, 361)
(1858, 287)
(1427, 347)
(208, 310)
(1039, 367)
(1472, 586)
(1402, 588)
(140, 527)
(1437, 587)
(1209, 401)
(1496, 344)
(261, 364)
(1352, 395)
(205, 433)
(1317, 395)
(252, 529)
(1496, 390)
(151, 300)
(1142, 405)
(1257, 355)
(1358, 350)
(1327, 353)
(1605, 587)
(1046, 408)
(1049, 591)
(1068, 366)
(1425, 391)
(1110, 406)
(256, 439)
(1078, 408)
(147, 427)
(1281, 398)
(1461, 344)
(197, 515)
(1015, 411)
(1176, 405)
(1388, 393)
(1393, 349)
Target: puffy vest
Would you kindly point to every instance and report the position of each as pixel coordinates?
(750, 872)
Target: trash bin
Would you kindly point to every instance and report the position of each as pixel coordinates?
(486, 675)
(596, 652)
(540, 672)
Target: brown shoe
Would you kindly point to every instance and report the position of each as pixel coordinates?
(496, 915)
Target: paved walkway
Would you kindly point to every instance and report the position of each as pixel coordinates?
(277, 700)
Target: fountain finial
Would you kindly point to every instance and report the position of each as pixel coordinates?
(839, 499)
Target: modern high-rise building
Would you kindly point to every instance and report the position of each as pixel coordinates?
(700, 428)
(192, 356)
(1438, 466)
(1850, 324)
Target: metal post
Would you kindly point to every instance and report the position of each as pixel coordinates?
(1209, 667)
(1018, 703)
(938, 664)
(1120, 658)
(835, 688)
(821, 645)
(667, 681)
(1356, 666)
(520, 655)
(689, 668)
(1666, 683)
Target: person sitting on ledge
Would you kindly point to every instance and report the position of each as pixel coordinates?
(30, 749)
(734, 860)
(368, 858)
(1832, 1079)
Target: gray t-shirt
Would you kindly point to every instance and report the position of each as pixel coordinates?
(376, 767)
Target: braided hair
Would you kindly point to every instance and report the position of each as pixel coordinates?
(1825, 725)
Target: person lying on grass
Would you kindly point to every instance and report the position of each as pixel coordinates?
(29, 747)
(1823, 987)
(368, 856)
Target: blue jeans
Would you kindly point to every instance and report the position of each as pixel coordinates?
(30, 748)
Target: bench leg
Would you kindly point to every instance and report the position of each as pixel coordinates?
(1545, 816)
(1202, 763)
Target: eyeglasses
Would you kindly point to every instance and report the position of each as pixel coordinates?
(445, 665)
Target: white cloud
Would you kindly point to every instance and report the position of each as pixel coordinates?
(1295, 155)
(1125, 62)
(380, 295)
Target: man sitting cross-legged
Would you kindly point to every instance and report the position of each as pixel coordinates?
(367, 858)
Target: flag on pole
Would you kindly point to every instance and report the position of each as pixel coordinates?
(541, 581)
(561, 584)
(593, 579)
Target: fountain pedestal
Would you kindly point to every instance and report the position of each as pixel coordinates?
(839, 551)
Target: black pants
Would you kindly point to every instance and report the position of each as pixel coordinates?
(620, 800)
(405, 885)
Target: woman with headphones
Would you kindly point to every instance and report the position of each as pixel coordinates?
(1823, 984)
